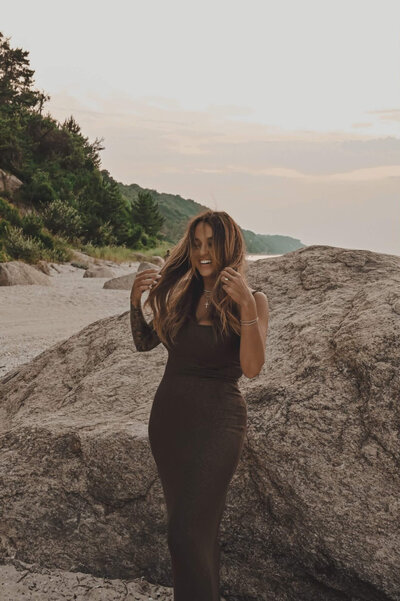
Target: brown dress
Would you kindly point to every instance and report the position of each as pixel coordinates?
(196, 431)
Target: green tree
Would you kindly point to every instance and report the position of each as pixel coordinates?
(145, 212)
(61, 171)
(91, 150)
(16, 80)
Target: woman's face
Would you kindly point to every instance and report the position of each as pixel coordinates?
(203, 244)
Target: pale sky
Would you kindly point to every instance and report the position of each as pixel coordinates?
(285, 114)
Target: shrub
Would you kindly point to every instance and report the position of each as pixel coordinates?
(3, 256)
(18, 246)
(60, 252)
(4, 224)
(22, 247)
(32, 225)
(10, 213)
(47, 239)
(62, 218)
(106, 234)
(144, 239)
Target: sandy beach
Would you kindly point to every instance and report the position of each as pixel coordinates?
(33, 317)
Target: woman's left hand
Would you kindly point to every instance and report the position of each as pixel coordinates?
(235, 286)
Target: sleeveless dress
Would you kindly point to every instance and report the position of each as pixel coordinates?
(196, 432)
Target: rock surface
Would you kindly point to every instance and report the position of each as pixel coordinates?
(313, 510)
(157, 260)
(9, 183)
(146, 265)
(43, 266)
(13, 273)
(83, 259)
(30, 582)
(125, 282)
(96, 271)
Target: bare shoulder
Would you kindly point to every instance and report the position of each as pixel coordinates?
(261, 302)
(262, 311)
(258, 294)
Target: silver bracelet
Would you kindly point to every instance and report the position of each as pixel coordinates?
(249, 322)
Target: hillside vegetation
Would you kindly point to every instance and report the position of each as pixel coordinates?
(177, 210)
(64, 198)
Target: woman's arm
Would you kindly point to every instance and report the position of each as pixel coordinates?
(144, 337)
(253, 337)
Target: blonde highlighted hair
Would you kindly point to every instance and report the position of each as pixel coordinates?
(174, 297)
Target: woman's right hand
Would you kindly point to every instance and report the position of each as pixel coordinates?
(144, 280)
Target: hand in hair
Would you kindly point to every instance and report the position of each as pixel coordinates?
(234, 285)
(144, 336)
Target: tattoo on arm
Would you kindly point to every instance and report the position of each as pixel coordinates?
(145, 338)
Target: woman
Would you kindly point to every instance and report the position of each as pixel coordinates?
(214, 328)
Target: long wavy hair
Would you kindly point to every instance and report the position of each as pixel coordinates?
(174, 297)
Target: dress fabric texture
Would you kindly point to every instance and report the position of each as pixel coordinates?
(196, 431)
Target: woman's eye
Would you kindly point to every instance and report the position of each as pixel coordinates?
(197, 246)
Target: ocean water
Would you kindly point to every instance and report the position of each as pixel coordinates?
(256, 257)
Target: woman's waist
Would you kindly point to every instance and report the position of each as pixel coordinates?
(227, 373)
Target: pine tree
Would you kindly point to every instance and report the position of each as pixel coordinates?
(16, 80)
(145, 213)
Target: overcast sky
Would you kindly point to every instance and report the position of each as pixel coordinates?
(285, 114)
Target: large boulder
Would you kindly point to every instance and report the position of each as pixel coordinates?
(98, 271)
(146, 265)
(312, 512)
(82, 259)
(157, 260)
(9, 184)
(43, 266)
(20, 581)
(125, 282)
(13, 273)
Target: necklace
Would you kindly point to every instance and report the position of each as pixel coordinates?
(207, 297)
